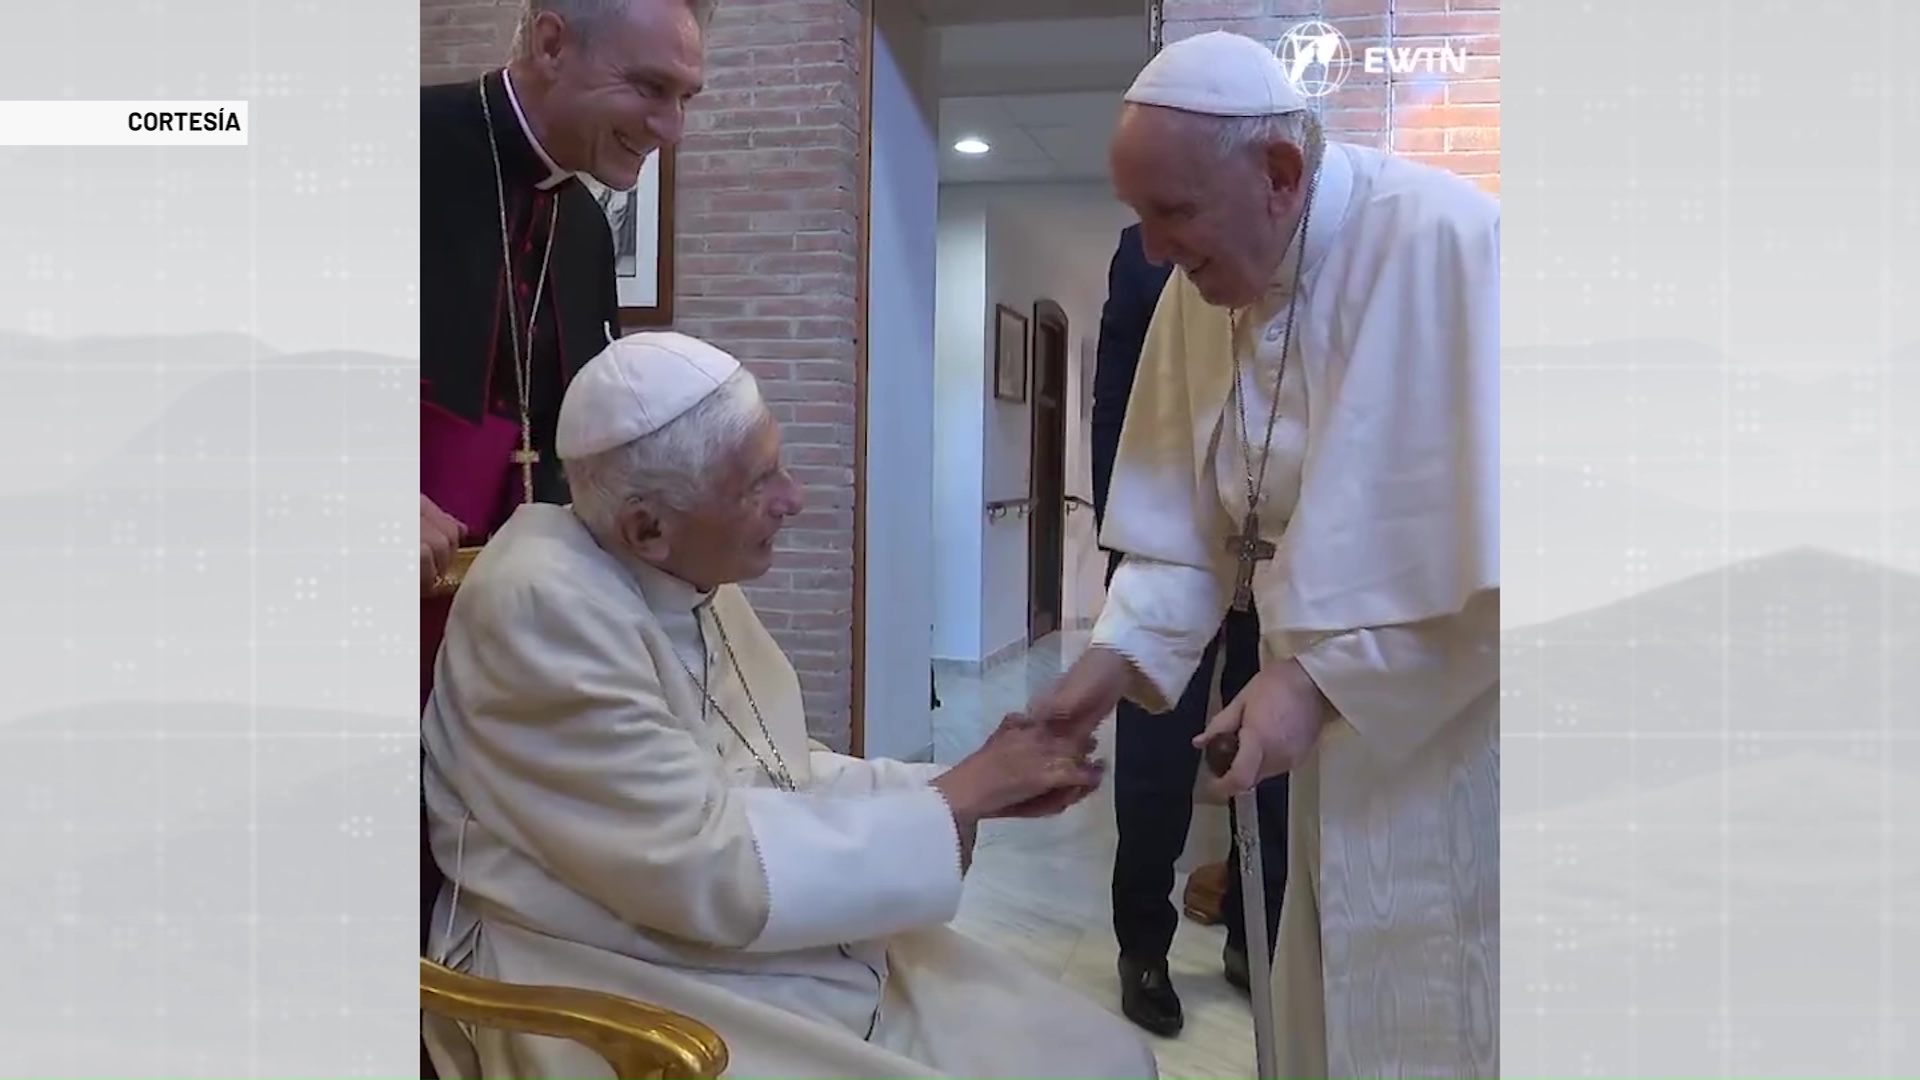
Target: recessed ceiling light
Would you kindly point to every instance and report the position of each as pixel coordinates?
(971, 145)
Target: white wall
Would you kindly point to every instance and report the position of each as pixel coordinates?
(960, 366)
(899, 600)
(1014, 245)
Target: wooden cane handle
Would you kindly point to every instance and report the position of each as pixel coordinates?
(1221, 752)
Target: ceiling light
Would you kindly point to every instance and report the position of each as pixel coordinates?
(971, 145)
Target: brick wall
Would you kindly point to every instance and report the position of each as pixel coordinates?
(767, 207)
(1451, 120)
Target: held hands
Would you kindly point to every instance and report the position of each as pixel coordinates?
(1277, 719)
(1086, 695)
(440, 536)
(1021, 763)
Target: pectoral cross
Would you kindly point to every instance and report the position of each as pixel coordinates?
(1249, 549)
(526, 457)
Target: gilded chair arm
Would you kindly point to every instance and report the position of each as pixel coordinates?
(641, 1042)
(449, 583)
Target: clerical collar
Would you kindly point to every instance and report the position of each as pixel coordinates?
(555, 175)
(1332, 198)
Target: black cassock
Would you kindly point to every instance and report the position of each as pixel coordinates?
(469, 393)
(467, 369)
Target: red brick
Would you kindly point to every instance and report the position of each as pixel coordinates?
(1473, 138)
(1455, 24)
(1420, 141)
(1465, 164)
(1449, 116)
(1474, 92)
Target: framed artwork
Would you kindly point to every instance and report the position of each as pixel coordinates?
(1009, 354)
(642, 224)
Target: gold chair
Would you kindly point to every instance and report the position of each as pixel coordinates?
(641, 1042)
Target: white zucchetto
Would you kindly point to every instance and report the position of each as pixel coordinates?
(637, 385)
(1217, 74)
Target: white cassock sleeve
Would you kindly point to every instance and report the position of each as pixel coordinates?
(1399, 685)
(1170, 593)
(841, 774)
(1160, 616)
(589, 773)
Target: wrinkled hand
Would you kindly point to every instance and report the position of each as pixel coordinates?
(1087, 694)
(1020, 762)
(1062, 798)
(440, 536)
(1278, 718)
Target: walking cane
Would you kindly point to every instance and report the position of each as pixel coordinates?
(1253, 896)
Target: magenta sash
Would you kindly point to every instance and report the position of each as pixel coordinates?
(468, 471)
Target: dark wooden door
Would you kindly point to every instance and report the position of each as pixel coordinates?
(1046, 520)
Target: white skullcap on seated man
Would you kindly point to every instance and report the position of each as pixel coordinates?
(623, 796)
(1313, 436)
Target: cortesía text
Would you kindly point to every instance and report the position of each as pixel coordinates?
(216, 120)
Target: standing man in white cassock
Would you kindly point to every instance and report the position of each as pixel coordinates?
(1314, 433)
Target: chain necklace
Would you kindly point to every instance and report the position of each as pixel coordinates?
(776, 769)
(526, 456)
(1247, 546)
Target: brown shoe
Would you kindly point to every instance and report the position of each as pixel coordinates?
(1206, 891)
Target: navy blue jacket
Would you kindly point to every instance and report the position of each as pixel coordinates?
(1133, 290)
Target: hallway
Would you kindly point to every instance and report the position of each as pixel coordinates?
(1039, 888)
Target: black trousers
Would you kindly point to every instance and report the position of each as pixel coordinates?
(1154, 767)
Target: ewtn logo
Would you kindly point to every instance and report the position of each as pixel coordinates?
(1319, 60)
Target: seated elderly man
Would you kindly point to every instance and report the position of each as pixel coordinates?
(623, 796)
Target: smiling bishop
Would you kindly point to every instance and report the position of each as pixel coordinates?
(517, 273)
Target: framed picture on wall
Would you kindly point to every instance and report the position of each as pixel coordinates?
(1009, 354)
(642, 224)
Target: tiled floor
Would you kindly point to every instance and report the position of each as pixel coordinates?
(1039, 888)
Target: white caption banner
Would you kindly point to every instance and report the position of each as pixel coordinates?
(123, 123)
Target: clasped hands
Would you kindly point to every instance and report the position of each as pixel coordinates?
(1024, 769)
(1278, 718)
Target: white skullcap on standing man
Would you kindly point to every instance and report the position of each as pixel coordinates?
(1217, 74)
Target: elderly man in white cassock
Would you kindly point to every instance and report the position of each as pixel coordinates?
(623, 796)
(1313, 433)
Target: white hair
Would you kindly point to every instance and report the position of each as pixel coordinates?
(1240, 134)
(587, 17)
(672, 468)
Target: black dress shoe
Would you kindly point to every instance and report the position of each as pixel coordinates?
(1147, 997)
(1235, 961)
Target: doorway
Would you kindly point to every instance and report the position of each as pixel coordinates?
(1046, 521)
